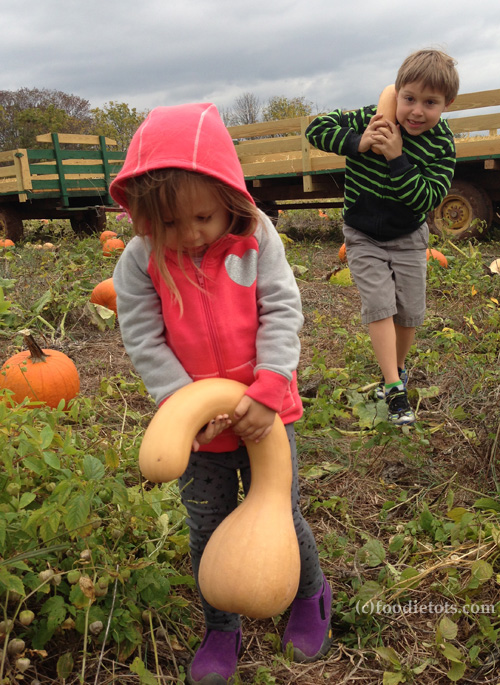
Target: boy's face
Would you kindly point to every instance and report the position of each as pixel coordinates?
(419, 107)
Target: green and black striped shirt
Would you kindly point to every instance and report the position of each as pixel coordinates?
(387, 199)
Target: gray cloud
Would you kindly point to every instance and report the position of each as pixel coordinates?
(162, 52)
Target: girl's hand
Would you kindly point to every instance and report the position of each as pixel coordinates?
(211, 431)
(252, 420)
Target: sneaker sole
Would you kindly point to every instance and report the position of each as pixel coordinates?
(402, 420)
(301, 658)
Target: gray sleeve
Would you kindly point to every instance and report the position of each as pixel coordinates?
(280, 308)
(141, 323)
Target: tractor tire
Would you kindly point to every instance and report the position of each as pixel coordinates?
(466, 212)
(89, 221)
(11, 224)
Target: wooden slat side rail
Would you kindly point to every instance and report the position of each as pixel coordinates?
(482, 98)
(482, 122)
(74, 139)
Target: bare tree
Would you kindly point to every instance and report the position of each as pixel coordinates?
(246, 110)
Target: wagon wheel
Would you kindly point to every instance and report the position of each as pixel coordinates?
(11, 224)
(89, 221)
(466, 212)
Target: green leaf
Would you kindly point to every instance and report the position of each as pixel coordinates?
(145, 676)
(487, 503)
(456, 672)
(372, 553)
(456, 514)
(392, 678)
(93, 468)
(52, 460)
(389, 654)
(396, 543)
(42, 302)
(426, 520)
(77, 513)
(46, 437)
(481, 570)
(448, 628)
(10, 582)
(65, 665)
(26, 499)
(451, 652)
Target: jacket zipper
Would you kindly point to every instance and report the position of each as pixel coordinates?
(212, 328)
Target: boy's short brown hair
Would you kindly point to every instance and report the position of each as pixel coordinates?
(435, 69)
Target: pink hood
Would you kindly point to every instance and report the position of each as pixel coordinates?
(191, 137)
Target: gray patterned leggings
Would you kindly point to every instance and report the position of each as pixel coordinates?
(209, 491)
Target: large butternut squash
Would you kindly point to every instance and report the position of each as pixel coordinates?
(386, 106)
(251, 564)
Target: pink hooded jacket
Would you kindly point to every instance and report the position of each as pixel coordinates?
(243, 319)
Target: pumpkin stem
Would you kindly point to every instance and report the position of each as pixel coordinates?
(36, 352)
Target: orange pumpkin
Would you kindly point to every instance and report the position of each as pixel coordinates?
(342, 254)
(438, 256)
(40, 375)
(106, 235)
(6, 242)
(104, 294)
(112, 245)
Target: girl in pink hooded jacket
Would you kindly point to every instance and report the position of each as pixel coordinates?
(204, 290)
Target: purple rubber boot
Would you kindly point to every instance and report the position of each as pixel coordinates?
(215, 661)
(308, 627)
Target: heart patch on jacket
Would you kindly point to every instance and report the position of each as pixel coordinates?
(242, 270)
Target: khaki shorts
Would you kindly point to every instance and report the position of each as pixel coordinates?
(390, 275)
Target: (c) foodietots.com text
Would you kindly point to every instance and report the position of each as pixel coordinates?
(413, 607)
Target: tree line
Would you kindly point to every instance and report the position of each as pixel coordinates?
(29, 112)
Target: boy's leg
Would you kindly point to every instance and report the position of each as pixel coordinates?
(405, 335)
(384, 343)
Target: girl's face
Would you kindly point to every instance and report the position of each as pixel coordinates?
(201, 220)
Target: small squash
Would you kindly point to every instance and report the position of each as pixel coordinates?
(104, 294)
(251, 564)
(387, 106)
(112, 245)
(40, 375)
(438, 256)
(106, 235)
(342, 254)
(6, 242)
(495, 266)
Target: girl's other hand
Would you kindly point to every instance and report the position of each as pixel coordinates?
(211, 431)
(252, 420)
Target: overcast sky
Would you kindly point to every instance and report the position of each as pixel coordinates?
(334, 53)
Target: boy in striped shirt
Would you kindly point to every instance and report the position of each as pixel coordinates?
(387, 196)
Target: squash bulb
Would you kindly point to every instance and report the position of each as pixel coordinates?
(251, 564)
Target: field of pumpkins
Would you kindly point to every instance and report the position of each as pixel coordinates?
(95, 578)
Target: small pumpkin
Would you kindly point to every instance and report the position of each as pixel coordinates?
(112, 245)
(438, 256)
(106, 235)
(40, 375)
(6, 242)
(256, 545)
(342, 254)
(104, 294)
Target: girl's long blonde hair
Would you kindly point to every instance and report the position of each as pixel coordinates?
(156, 194)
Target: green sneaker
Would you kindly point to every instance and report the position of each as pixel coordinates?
(400, 411)
(380, 389)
